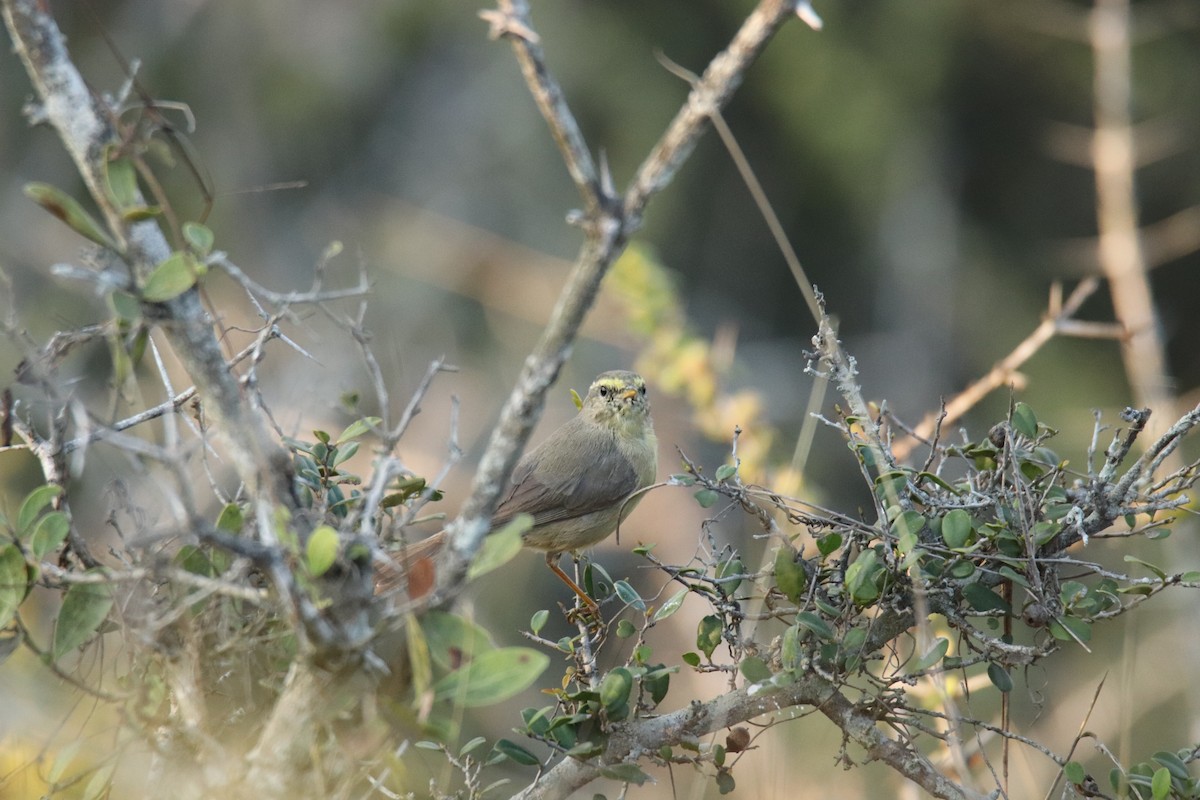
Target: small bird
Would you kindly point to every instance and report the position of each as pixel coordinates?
(582, 480)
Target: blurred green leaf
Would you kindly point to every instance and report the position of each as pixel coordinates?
(50, 532)
(174, 276)
(14, 582)
(754, 669)
(725, 472)
(198, 237)
(500, 547)
(232, 519)
(357, 428)
(790, 577)
(492, 676)
(538, 621)
(84, 607)
(1160, 785)
(452, 639)
(706, 498)
(67, 208)
(120, 179)
(321, 551)
(932, 656)
(32, 505)
(626, 773)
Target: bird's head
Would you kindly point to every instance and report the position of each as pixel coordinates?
(618, 400)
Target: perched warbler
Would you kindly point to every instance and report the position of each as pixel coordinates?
(580, 482)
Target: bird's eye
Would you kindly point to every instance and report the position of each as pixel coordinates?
(642, 390)
(604, 391)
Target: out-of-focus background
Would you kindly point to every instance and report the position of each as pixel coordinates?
(928, 162)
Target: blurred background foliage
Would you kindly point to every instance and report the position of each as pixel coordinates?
(928, 161)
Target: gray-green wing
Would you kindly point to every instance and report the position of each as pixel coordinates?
(581, 479)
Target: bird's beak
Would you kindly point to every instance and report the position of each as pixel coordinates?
(629, 395)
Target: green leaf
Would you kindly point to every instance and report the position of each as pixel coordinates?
(1174, 764)
(727, 569)
(691, 659)
(860, 577)
(357, 428)
(174, 276)
(982, 598)
(625, 629)
(725, 782)
(1063, 628)
(63, 759)
(706, 498)
(120, 178)
(516, 753)
(1074, 772)
(500, 547)
(33, 504)
(451, 639)
(198, 237)
(615, 689)
(14, 582)
(932, 656)
(891, 484)
(100, 783)
(629, 595)
(51, 531)
(725, 472)
(755, 669)
(956, 528)
(232, 519)
(670, 607)
(790, 577)
(84, 607)
(1024, 421)
(321, 551)
(576, 399)
(538, 621)
(906, 528)
(492, 676)
(1000, 678)
(681, 479)
(829, 543)
(1160, 784)
(67, 208)
(810, 621)
(708, 634)
(1157, 571)
(626, 773)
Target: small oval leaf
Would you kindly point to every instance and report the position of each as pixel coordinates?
(33, 504)
(174, 276)
(84, 607)
(670, 607)
(321, 551)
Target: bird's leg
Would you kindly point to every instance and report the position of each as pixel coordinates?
(552, 563)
